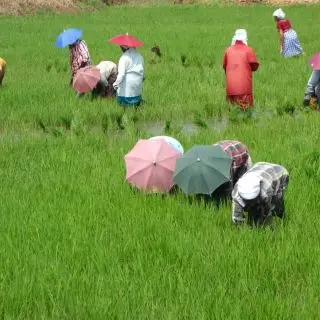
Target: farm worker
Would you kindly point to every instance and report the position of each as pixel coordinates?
(108, 75)
(2, 69)
(241, 158)
(260, 193)
(239, 62)
(313, 88)
(79, 57)
(130, 77)
(289, 41)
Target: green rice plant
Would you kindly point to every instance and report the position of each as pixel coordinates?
(77, 242)
(67, 122)
(167, 127)
(41, 125)
(105, 123)
(201, 123)
(57, 132)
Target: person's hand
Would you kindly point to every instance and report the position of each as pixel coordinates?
(280, 50)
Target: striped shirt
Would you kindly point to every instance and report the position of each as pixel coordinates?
(273, 181)
(79, 56)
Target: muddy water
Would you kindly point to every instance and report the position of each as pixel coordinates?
(186, 128)
(152, 128)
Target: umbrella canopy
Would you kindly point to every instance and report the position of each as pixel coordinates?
(315, 61)
(86, 79)
(172, 141)
(150, 165)
(68, 37)
(202, 169)
(126, 40)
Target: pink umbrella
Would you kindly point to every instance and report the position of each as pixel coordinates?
(126, 40)
(315, 61)
(150, 165)
(86, 79)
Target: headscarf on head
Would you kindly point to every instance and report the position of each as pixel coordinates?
(249, 186)
(279, 13)
(240, 35)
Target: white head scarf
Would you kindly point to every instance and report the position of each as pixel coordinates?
(279, 14)
(249, 186)
(240, 35)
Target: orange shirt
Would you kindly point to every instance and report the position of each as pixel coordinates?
(239, 62)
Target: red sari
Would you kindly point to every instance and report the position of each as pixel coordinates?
(239, 62)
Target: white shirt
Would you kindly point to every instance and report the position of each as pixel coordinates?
(106, 68)
(130, 74)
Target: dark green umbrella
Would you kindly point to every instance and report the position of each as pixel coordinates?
(202, 170)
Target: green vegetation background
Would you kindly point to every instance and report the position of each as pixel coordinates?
(78, 243)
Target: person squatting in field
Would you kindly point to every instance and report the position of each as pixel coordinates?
(289, 42)
(79, 57)
(108, 75)
(241, 164)
(238, 63)
(2, 70)
(130, 77)
(260, 193)
(313, 89)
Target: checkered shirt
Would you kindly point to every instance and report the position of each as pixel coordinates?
(236, 150)
(79, 56)
(291, 44)
(273, 180)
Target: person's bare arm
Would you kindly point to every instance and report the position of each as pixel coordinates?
(281, 41)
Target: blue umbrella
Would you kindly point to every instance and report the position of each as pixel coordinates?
(68, 37)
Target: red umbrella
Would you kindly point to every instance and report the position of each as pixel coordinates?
(126, 40)
(86, 79)
(315, 61)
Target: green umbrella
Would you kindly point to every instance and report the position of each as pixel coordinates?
(202, 170)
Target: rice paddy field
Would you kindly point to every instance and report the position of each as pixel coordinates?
(76, 242)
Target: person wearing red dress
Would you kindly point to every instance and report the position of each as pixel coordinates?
(239, 62)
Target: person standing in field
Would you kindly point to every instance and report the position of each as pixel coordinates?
(238, 63)
(130, 77)
(108, 75)
(79, 57)
(3, 65)
(260, 193)
(312, 93)
(289, 42)
(241, 158)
